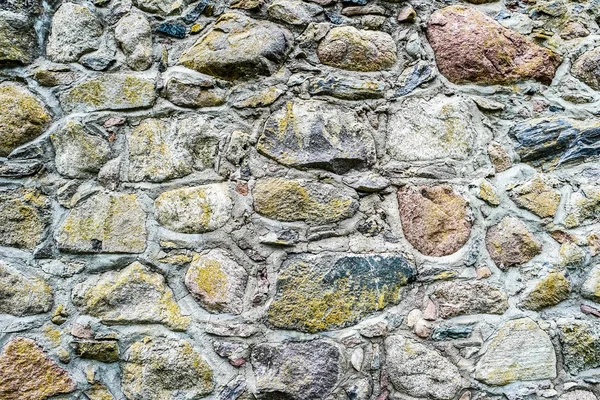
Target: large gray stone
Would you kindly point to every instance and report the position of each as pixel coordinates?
(18, 43)
(24, 217)
(464, 298)
(313, 134)
(297, 370)
(420, 371)
(22, 294)
(134, 34)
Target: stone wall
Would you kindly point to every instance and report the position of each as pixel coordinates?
(299, 200)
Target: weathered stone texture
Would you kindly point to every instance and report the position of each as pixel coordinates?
(24, 217)
(511, 244)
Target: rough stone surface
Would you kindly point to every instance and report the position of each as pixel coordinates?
(22, 117)
(421, 371)
(76, 30)
(578, 395)
(587, 68)
(463, 298)
(134, 34)
(331, 138)
(160, 368)
(105, 222)
(217, 282)
(537, 196)
(297, 370)
(471, 47)
(519, 351)
(584, 206)
(580, 344)
(591, 286)
(239, 47)
(548, 291)
(18, 43)
(510, 243)
(195, 209)
(434, 219)
(132, 295)
(21, 294)
(328, 292)
(357, 50)
(26, 372)
(24, 216)
(300, 200)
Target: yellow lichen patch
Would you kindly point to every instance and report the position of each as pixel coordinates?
(549, 291)
(488, 193)
(52, 334)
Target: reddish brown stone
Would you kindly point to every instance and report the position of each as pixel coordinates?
(26, 373)
(471, 47)
(434, 219)
(510, 243)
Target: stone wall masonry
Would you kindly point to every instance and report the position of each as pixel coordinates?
(299, 199)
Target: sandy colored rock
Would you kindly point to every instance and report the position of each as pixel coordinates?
(434, 219)
(471, 47)
(24, 217)
(26, 372)
(352, 49)
(548, 291)
(132, 295)
(465, 298)
(22, 294)
(510, 243)
(537, 196)
(498, 156)
(23, 117)
(583, 207)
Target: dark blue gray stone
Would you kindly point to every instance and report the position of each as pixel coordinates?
(172, 29)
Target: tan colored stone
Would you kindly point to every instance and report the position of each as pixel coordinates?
(537, 196)
(510, 243)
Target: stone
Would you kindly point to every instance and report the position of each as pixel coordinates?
(161, 7)
(347, 87)
(22, 294)
(406, 14)
(499, 158)
(587, 68)
(456, 298)
(24, 217)
(583, 207)
(217, 282)
(578, 395)
(78, 154)
(109, 92)
(26, 372)
(537, 196)
(28, 7)
(471, 47)
(293, 12)
(134, 34)
(162, 368)
(302, 200)
(106, 351)
(98, 392)
(196, 209)
(548, 291)
(519, 351)
(571, 255)
(239, 47)
(436, 129)
(23, 117)
(132, 295)
(510, 243)
(574, 30)
(329, 291)
(580, 344)
(193, 90)
(555, 141)
(591, 286)
(488, 193)
(247, 97)
(18, 43)
(297, 370)
(108, 222)
(420, 371)
(312, 134)
(352, 49)
(76, 30)
(175, 30)
(435, 220)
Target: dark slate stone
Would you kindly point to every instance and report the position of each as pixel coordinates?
(334, 18)
(419, 74)
(452, 332)
(172, 29)
(193, 15)
(18, 169)
(556, 140)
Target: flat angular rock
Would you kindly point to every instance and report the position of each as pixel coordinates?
(21, 294)
(187, 88)
(352, 49)
(580, 344)
(347, 87)
(18, 43)
(297, 370)
(471, 47)
(327, 292)
(23, 117)
(548, 291)
(134, 295)
(79, 154)
(578, 395)
(161, 368)
(217, 282)
(239, 47)
(537, 196)
(510, 243)
(464, 298)
(435, 129)
(110, 92)
(105, 222)
(197, 209)
(161, 7)
(313, 134)
(591, 286)
(76, 30)
(556, 141)
(587, 68)
(420, 371)
(106, 351)
(134, 34)
(583, 207)
(293, 12)
(26, 372)
(434, 219)
(24, 216)
(302, 200)
(520, 351)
